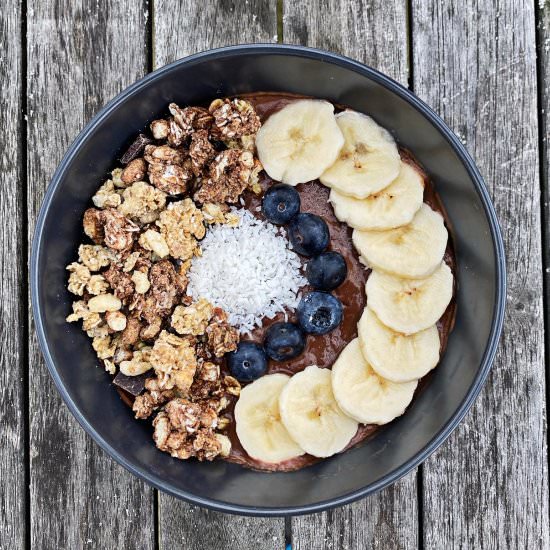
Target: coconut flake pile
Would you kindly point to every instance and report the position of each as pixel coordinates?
(248, 270)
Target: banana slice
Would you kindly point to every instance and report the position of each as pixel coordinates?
(258, 421)
(392, 207)
(395, 356)
(369, 160)
(364, 395)
(299, 142)
(413, 251)
(410, 305)
(312, 416)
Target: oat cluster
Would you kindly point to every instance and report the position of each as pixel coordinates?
(144, 229)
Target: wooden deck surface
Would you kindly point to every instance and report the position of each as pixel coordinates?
(484, 65)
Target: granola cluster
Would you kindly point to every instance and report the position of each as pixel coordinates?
(192, 159)
(145, 227)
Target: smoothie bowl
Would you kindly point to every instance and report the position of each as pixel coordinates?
(288, 274)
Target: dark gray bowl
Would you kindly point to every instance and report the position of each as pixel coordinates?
(397, 448)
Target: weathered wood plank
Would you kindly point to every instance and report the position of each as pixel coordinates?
(374, 32)
(12, 290)
(79, 55)
(182, 525)
(182, 28)
(388, 519)
(544, 134)
(475, 63)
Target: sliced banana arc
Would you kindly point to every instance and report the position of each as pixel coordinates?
(368, 161)
(410, 305)
(258, 421)
(392, 207)
(412, 251)
(364, 395)
(395, 356)
(299, 142)
(311, 414)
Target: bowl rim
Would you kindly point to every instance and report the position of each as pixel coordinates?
(480, 186)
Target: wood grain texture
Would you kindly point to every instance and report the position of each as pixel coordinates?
(374, 32)
(12, 400)
(475, 63)
(190, 527)
(388, 519)
(80, 54)
(371, 31)
(182, 28)
(544, 135)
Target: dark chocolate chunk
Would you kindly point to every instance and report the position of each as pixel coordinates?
(132, 384)
(218, 145)
(135, 150)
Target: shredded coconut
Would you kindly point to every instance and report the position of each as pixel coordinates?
(247, 270)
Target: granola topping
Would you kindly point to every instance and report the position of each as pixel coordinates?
(201, 151)
(78, 279)
(142, 202)
(97, 285)
(152, 399)
(103, 303)
(116, 176)
(103, 346)
(138, 364)
(119, 230)
(94, 257)
(164, 154)
(192, 319)
(170, 169)
(93, 225)
(230, 173)
(134, 171)
(214, 213)
(130, 261)
(171, 178)
(160, 129)
(116, 320)
(121, 283)
(191, 118)
(154, 241)
(174, 360)
(234, 118)
(106, 196)
(181, 224)
(143, 229)
(130, 335)
(222, 337)
(176, 136)
(141, 282)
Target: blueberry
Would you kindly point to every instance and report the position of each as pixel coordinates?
(281, 203)
(327, 271)
(284, 341)
(319, 312)
(308, 234)
(247, 362)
